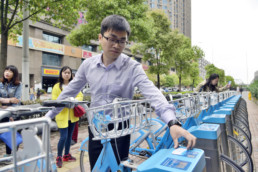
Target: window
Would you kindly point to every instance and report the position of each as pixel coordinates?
(52, 38)
(165, 2)
(165, 8)
(51, 59)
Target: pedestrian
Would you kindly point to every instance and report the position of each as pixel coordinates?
(114, 73)
(32, 92)
(211, 84)
(65, 120)
(38, 94)
(10, 93)
(241, 90)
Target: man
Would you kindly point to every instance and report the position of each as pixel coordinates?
(114, 73)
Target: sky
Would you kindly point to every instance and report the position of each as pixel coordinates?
(227, 32)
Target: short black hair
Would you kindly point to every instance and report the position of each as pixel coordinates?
(116, 23)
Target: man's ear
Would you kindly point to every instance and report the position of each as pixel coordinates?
(100, 37)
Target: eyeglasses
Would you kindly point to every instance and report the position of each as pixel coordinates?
(114, 41)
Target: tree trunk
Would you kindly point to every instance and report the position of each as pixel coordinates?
(193, 85)
(3, 58)
(180, 78)
(158, 81)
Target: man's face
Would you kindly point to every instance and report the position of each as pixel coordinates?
(113, 43)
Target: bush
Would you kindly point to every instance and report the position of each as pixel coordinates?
(253, 88)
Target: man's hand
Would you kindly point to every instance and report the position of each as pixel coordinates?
(177, 132)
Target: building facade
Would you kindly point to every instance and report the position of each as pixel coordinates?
(49, 51)
(202, 63)
(178, 12)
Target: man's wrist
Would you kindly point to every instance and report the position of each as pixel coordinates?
(174, 122)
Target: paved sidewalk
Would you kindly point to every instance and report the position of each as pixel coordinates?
(253, 124)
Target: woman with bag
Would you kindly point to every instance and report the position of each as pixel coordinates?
(65, 119)
(10, 93)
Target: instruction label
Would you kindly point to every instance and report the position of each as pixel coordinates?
(174, 163)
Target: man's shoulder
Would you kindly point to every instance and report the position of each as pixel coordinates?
(92, 60)
(129, 61)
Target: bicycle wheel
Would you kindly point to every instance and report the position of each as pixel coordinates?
(232, 165)
(244, 127)
(83, 160)
(240, 155)
(241, 136)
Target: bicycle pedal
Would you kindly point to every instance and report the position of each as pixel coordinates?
(144, 153)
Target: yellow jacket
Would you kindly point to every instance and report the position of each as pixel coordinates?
(62, 117)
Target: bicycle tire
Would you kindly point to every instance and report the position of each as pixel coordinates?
(243, 127)
(248, 145)
(231, 163)
(82, 161)
(248, 160)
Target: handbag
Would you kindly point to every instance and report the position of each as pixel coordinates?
(79, 111)
(7, 138)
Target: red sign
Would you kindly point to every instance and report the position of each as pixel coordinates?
(145, 67)
(86, 54)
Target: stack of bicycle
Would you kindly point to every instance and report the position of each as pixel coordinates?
(218, 120)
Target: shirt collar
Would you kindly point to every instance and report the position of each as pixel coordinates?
(118, 63)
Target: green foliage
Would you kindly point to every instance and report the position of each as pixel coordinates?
(171, 80)
(153, 78)
(210, 69)
(55, 12)
(159, 47)
(29, 102)
(133, 10)
(194, 73)
(254, 89)
(183, 56)
(230, 78)
(186, 81)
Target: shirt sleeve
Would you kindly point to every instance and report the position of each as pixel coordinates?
(73, 88)
(163, 109)
(222, 88)
(18, 92)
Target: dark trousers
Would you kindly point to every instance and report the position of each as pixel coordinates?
(95, 147)
(75, 132)
(7, 149)
(65, 139)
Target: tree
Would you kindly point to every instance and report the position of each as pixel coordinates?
(186, 81)
(194, 73)
(211, 69)
(51, 11)
(133, 10)
(171, 80)
(183, 57)
(153, 78)
(157, 48)
(230, 78)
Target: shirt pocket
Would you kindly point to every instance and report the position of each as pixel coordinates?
(116, 89)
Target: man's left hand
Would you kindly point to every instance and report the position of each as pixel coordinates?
(177, 132)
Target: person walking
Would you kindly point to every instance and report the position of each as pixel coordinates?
(65, 119)
(211, 84)
(32, 93)
(10, 93)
